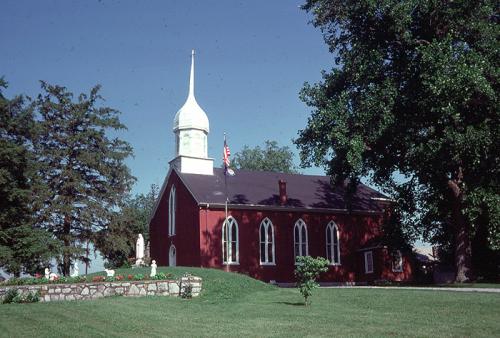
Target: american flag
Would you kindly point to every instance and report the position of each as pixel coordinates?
(225, 154)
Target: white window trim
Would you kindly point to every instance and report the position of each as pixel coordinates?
(300, 224)
(370, 253)
(266, 222)
(332, 226)
(399, 266)
(227, 246)
(171, 211)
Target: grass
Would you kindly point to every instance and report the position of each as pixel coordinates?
(235, 305)
(470, 285)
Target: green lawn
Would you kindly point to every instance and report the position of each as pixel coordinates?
(470, 285)
(233, 305)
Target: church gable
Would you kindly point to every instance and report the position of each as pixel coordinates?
(167, 227)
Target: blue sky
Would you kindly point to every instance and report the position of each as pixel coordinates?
(252, 58)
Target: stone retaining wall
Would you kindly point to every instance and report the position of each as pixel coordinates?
(83, 291)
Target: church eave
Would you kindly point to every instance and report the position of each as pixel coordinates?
(233, 206)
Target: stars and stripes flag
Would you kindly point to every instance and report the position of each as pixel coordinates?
(225, 158)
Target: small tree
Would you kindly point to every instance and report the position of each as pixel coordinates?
(307, 271)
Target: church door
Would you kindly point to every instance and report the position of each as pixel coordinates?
(172, 260)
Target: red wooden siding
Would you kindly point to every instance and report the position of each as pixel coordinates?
(187, 232)
(199, 231)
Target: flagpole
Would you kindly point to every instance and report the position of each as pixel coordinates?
(226, 232)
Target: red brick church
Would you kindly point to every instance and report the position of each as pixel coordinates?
(272, 218)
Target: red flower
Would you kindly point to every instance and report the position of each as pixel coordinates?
(130, 277)
(98, 279)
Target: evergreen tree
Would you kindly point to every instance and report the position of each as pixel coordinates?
(414, 92)
(82, 167)
(23, 248)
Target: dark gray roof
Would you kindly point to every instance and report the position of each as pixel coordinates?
(259, 188)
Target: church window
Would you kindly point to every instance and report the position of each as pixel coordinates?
(368, 262)
(300, 239)
(397, 261)
(171, 212)
(332, 243)
(266, 242)
(230, 247)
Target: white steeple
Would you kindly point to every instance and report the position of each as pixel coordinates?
(191, 129)
(191, 115)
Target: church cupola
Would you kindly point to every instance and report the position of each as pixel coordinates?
(191, 129)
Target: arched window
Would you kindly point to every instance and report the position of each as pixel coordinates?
(332, 243)
(368, 262)
(300, 239)
(397, 261)
(171, 212)
(266, 242)
(230, 254)
(172, 256)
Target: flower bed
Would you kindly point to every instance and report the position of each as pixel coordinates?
(83, 279)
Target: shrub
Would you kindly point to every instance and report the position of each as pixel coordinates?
(62, 279)
(120, 277)
(36, 281)
(130, 277)
(10, 296)
(80, 279)
(187, 291)
(126, 265)
(138, 276)
(18, 298)
(307, 271)
(32, 297)
(13, 296)
(161, 276)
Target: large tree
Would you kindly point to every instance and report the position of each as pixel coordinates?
(82, 167)
(413, 102)
(23, 247)
(270, 158)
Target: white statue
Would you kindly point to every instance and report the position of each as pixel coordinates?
(50, 275)
(139, 250)
(153, 269)
(110, 273)
(76, 271)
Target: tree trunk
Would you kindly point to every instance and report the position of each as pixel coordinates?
(463, 249)
(87, 258)
(67, 244)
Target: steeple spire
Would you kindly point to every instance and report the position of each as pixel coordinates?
(191, 128)
(191, 77)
